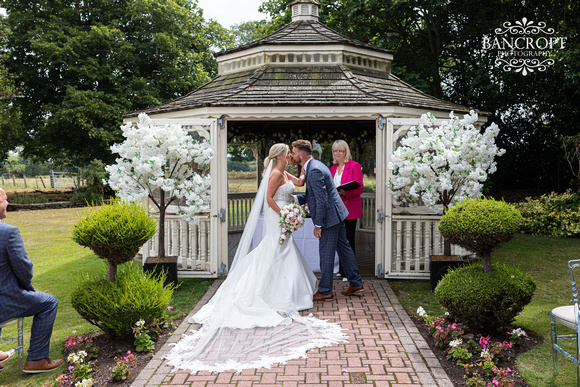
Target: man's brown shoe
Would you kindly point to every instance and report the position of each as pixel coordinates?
(353, 290)
(322, 297)
(44, 365)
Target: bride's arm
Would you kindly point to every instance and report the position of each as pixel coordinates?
(276, 180)
(297, 181)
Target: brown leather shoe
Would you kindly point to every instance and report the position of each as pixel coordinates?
(353, 290)
(44, 365)
(322, 297)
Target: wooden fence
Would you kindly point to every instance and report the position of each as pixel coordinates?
(57, 180)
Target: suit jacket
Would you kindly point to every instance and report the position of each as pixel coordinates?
(16, 291)
(326, 207)
(352, 201)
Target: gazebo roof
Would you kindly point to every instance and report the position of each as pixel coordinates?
(305, 86)
(305, 63)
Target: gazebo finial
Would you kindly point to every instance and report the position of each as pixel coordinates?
(304, 10)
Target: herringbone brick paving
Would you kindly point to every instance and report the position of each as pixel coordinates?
(384, 348)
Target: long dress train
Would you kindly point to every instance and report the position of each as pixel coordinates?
(252, 321)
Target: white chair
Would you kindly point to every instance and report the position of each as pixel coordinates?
(20, 339)
(567, 316)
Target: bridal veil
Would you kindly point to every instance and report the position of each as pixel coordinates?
(243, 325)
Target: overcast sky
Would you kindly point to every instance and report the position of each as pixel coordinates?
(228, 12)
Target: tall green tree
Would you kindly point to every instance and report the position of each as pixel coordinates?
(9, 112)
(82, 64)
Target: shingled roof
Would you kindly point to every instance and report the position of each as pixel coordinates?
(305, 32)
(305, 86)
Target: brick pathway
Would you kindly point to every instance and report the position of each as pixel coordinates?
(384, 348)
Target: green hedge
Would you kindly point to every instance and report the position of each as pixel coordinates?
(115, 307)
(485, 302)
(554, 214)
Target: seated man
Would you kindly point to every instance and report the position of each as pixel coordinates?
(19, 299)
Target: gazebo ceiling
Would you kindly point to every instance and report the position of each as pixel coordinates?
(305, 63)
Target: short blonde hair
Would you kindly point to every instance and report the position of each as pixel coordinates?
(342, 145)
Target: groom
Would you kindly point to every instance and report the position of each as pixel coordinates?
(328, 213)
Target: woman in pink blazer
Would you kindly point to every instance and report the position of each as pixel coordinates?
(344, 171)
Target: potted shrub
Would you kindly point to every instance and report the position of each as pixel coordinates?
(114, 232)
(162, 164)
(483, 296)
(443, 164)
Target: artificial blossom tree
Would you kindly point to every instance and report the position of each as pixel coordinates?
(445, 163)
(163, 160)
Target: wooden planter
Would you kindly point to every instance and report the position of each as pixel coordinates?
(159, 265)
(439, 265)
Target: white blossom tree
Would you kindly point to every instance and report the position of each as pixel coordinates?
(443, 164)
(158, 163)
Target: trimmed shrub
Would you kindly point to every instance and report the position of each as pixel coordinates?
(553, 214)
(485, 301)
(115, 232)
(115, 307)
(480, 225)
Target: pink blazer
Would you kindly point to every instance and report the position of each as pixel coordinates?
(352, 171)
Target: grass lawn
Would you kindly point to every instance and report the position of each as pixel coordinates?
(58, 262)
(546, 260)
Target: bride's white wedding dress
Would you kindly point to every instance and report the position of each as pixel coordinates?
(252, 321)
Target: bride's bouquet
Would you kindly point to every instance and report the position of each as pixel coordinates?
(292, 217)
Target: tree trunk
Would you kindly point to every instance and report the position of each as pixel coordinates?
(487, 262)
(112, 272)
(446, 247)
(162, 207)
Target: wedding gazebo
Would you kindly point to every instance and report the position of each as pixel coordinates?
(309, 81)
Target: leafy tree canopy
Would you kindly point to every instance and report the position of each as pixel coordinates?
(81, 64)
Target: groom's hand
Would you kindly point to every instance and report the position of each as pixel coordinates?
(317, 232)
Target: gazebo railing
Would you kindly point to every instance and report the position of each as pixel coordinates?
(189, 243)
(367, 222)
(239, 205)
(414, 238)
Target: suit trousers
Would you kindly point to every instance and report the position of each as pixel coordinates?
(350, 225)
(333, 240)
(44, 312)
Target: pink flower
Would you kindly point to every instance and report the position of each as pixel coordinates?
(495, 382)
(168, 308)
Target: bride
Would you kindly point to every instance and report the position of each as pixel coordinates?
(252, 321)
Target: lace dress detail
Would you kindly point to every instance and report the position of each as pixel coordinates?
(253, 321)
(284, 192)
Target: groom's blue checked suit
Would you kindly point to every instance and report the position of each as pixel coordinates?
(329, 212)
(17, 295)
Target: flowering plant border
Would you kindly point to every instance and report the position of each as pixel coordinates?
(478, 354)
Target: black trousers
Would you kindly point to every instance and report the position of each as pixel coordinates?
(350, 236)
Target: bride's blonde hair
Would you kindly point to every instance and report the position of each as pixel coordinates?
(275, 150)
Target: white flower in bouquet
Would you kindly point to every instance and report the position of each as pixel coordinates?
(292, 217)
